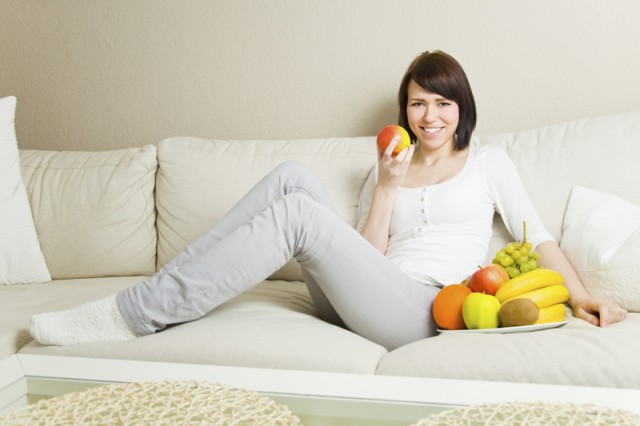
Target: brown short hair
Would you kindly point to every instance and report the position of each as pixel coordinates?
(440, 73)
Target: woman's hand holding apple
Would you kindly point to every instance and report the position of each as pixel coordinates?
(392, 168)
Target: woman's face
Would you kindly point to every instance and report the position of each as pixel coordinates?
(432, 118)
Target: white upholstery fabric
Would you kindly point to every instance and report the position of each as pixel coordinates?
(200, 180)
(21, 260)
(575, 354)
(94, 211)
(602, 240)
(599, 153)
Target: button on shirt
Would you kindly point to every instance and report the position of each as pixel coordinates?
(440, 233)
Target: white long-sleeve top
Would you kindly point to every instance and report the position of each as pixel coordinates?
(440, 233)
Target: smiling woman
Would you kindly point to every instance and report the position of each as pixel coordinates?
(432, 119)
(425, 221)
(436, 81)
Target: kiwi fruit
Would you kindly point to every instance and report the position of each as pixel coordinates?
(518, 312)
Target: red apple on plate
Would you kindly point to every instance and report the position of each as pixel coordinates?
(388, 133)
(488, 279)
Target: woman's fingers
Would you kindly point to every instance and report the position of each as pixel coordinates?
(405, 155)
(392, 145)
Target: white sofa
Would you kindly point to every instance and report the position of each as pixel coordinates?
(106, 220)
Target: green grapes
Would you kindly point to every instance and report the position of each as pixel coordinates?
(518, 257)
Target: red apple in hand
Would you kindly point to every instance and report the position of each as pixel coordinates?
(488, 279)
(388, 133)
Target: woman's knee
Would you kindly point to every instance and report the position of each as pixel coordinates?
(298, 178)
(299, 201)
(296, 172)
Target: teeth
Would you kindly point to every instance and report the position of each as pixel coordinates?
(432, 129)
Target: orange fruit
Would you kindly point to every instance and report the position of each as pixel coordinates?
(447, 307)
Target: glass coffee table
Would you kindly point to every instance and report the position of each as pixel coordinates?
(316, 398)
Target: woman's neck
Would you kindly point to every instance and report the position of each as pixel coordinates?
(429, 157)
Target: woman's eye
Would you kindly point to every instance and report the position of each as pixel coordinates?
(416, 104)
(443, 103)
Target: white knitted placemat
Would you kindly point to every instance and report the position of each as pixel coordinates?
(156, 403)
(532, 414)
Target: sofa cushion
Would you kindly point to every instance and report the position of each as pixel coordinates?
(564, 355)
(21, 260)
(602, 239)
(271, 326)
(200, 180)
(552, 159)
(19, 303)
(94, 211)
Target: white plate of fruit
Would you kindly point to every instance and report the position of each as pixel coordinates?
(514, 294)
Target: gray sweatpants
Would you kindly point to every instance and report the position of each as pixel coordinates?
(287, 214)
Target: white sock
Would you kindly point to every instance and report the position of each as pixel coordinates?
(92, 322)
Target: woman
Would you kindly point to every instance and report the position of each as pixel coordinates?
(425, 221)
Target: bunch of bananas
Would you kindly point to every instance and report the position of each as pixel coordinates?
(533, 298)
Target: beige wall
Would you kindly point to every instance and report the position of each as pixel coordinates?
(104, 74)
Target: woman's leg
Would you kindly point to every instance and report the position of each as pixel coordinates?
(287, 178)
(320, 302)
(371, 295)
(103, 319)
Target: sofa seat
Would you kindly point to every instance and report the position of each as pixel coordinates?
(20, 302)
(272, 326)
(574, 354)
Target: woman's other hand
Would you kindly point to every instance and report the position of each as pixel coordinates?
(599, 312)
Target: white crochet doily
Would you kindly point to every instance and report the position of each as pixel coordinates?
(202, 403)
(532, 414)
(156, 403)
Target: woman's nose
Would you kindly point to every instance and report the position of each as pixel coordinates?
(429, 114)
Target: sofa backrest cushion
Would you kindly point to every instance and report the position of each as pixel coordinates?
(599, 153)
(199, 180)
(94, 211)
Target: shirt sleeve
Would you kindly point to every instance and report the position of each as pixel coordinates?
(366, 198)
(511, 199)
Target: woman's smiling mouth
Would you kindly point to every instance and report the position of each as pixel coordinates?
(431, 130)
